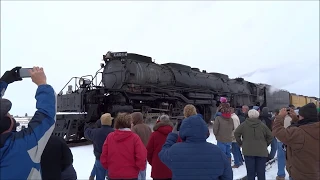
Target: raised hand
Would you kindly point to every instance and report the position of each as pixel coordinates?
(38, 76)
(11, 76)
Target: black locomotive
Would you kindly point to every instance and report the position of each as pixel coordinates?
(132, 82)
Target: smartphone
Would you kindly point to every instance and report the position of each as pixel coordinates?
(24, 72)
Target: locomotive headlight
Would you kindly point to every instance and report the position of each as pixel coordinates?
(84, 82)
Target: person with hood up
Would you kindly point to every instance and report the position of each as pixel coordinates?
(254, 137)
(98, 136)
(56, 161)
(144, 132)
(189, 110)
(20, 152)
(237, 155)
(161, 130)
(265, 117)
(222, 128)
(194, 158)
(123, 152)
(301, 141)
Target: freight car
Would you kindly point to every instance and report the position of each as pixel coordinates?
(132, 82)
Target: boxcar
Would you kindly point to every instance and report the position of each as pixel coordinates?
(298, 100)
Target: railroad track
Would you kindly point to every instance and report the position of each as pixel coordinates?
(78, 143)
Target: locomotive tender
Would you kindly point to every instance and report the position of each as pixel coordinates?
(132, 82)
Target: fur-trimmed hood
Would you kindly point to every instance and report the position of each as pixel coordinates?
(161, 124)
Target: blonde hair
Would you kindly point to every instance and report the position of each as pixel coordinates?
(123, 120)
(189, 110)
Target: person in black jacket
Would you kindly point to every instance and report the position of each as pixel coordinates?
(266, 118)
(243, 113)
(56, 160)
(98, 136)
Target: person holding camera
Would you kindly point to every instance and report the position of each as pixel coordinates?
(20, 152)
(301, 141)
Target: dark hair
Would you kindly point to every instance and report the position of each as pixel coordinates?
(276, 111)
(123, 120)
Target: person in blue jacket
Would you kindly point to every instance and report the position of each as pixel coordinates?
(194, 158)
(20, 152)
(98, 136)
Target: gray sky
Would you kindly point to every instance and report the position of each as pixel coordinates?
(278, 40)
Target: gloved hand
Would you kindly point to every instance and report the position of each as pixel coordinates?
(11, 76)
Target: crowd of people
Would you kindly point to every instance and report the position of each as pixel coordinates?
(181, 151)
(124, 144)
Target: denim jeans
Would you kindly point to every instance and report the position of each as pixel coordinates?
(281, 160)
(255, 166)
(273, 148)
(225, 148)
(93, 172)
(100, 171)
(237, 155)
(142, 174)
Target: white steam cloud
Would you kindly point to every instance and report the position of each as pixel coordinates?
(288, 77)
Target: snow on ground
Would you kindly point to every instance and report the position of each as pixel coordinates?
(84, 160)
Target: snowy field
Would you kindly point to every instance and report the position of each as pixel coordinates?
(84, 160)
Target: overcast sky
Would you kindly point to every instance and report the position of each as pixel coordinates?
(270, 42)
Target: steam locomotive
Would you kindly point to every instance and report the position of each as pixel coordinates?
(132, 82)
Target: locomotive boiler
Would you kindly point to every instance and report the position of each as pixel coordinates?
(132, 82)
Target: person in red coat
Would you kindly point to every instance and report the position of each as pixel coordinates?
(161, 130)
(123, 153)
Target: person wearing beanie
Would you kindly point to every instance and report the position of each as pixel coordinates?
(223, 101)
(161, 129)
(254, 137)
(8, 123)
(98, 136)
(144, 132)
(223, 129)
(301, 141)
(265, 117)
(256, 108)
(21, 151)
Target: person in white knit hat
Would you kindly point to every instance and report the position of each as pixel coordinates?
(254, 137)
